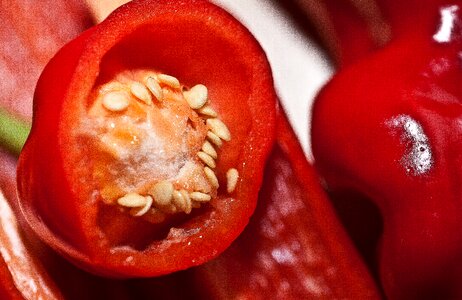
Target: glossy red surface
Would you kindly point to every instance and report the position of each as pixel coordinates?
(387, 127)
(58, 197)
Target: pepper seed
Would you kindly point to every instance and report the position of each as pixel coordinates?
(155, 88)
(208, 148)
(232, 175)
(215, 139)
(132, 200)
(169, 80)
(197, 96)
(200, 197)
(207, 111)
(115, 101)
(219, 128)
(141, 92)
(162, 193)
(187, 199)
(139, 212)
(212, 177)
(179, 201)
(207, 159)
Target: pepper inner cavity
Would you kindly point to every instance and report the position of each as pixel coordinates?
(157, 142)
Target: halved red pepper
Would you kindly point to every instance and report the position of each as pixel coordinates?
(388, 127)
(63, 171)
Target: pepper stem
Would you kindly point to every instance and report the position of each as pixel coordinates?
(13, 132)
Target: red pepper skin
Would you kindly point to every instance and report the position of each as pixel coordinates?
(387, 127)
(202, 43)
(294, 246)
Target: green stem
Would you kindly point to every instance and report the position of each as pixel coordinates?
(13, 132)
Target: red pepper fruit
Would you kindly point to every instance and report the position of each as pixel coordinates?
(65, 171)
(387, 127)
(294, 246)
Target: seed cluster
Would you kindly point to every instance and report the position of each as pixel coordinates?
(163, 198)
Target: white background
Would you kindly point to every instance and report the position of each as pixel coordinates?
(299, 67)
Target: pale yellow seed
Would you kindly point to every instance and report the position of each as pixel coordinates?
(115, 101)
(207, 147)
(207, 159)
(215, 139)
(232, 175)
(219, 128)
(197, 96)
(182, 201)
(136, 212)
(155, 88)
(169, 80)
(188, 204)
(179, 201)
(141, 92)
(162, 193)
(200, 197)
(207, 111)
(132, 200)
(212, 178)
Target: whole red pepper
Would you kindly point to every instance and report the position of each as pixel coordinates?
(64, 174)
(387, 127)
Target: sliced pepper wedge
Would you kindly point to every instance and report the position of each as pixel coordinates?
(294, 246)
(73, 184)
(22, 276)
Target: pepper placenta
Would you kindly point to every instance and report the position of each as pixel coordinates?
(387, 127)
(149, 139)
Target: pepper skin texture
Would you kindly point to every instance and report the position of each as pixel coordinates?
(294, 246)
(387, 127)
(22, 53)
(198, 43)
